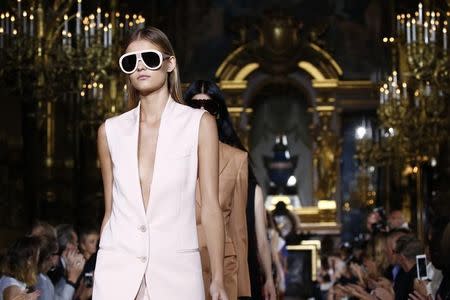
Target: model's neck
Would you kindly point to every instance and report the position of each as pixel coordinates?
(152, 104)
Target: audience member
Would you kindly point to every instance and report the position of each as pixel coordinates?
(19, 269)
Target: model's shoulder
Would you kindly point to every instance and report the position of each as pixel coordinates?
(234, 152)
(119, 118)
(186, 109)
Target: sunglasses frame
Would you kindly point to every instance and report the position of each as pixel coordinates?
(138, 54)
(203, 102)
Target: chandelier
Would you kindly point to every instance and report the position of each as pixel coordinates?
(416, 108)
(413, 105)
(55, 50)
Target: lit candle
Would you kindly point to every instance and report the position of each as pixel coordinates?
(2, 22)
(116, 20)
(19, 8)
(405, 90)
(2, 32)
(126, 22)
(31, 25)
(64, 33)
(425, 32)
(100, 91)
(99, 16)
(69, 36)
(121, 30)
(427, 89)
(94, 90)
(79, 15)
(7, 28)
(66, 23)
(398, 25)
(13, 19)
(433, 34)
(91, 26)
(420, 14)
(381, 95)
(413, 30)
(444, 36)
(105, 36)
(408, 32)
(86, 36)
(110, 33)
(24, 29)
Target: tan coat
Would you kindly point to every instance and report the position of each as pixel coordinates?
(233, 181)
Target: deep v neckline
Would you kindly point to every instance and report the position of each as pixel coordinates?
(155, 160)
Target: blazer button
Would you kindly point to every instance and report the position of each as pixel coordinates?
(143, 228)
(143, 259)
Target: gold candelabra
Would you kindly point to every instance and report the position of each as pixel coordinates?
(416, 109)
(63, 58)
(52, 50)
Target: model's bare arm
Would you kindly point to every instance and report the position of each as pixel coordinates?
(211, 214)
(263, 244)
(106, 167)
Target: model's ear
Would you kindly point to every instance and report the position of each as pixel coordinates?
(172, 63)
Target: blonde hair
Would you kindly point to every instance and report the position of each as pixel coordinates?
(21, 260)
(376, 251)
(159, 38)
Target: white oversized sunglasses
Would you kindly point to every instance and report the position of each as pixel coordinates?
(152, 59)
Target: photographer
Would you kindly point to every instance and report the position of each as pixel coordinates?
(406, 250)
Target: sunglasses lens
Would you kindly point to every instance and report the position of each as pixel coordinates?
(151, 59)
(129, 62)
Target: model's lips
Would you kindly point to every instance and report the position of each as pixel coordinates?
(143, 77)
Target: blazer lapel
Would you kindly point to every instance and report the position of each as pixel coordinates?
(224, 159)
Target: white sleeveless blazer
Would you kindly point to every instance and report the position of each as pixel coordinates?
(162, 242)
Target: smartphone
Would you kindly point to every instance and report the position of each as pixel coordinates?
(89, 279)
(421, 263)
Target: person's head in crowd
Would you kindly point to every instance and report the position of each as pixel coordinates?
(39, 228)
(345, 251)
(21, 260)
(375, 260)
(406, 249)
(48, 253)
(88, 242)
(376, 221)
(206, 94)
(391, 241)
(67, 237)
(396, 220)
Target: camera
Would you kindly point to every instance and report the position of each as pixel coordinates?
(88, 279)
(421, 263)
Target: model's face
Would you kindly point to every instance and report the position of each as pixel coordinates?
(147, 81)
(89, 244)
